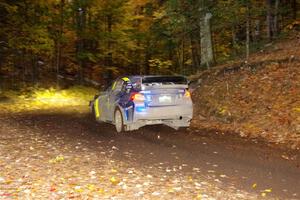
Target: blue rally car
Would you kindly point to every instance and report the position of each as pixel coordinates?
(136, 101)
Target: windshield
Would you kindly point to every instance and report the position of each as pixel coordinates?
(164, 80)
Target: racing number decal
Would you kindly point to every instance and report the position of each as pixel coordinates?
(97, 112)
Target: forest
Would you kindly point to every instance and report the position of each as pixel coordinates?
(227, 126)
(92, 41)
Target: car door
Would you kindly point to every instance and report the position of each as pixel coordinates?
(99, 105)
(113, 98)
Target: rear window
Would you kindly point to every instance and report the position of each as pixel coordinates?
(164, 80)
(136, 82)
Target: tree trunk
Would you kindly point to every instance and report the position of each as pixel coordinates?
(35, 72)
(24, 68)
(247, 35)
(233, 35)
(234, 40)
(109, 61)
(256, 31)
(58, 45)
(147, 58)
(196, 61)
(109, 44)
(295, 8)
(207, 56)
(182, 68)
(81, 23)
(248, 30)
(269, 20)
(275, 20)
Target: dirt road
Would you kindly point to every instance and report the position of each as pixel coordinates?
(53, 154)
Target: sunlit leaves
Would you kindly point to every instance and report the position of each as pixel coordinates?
(39, 98)
(114, 180)
(57, 159)
(160, 67)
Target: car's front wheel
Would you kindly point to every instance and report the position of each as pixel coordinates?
(119, 123)
(94, 112)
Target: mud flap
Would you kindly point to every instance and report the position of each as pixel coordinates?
(177, 124)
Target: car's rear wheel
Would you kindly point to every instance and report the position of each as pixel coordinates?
(119, 123)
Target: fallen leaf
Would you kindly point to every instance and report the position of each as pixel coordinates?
(155, 193)
(52, 189)
(113, 180)
(268, 190)
(57, 159)
(114, 171)
(78, 189)
(91, 187)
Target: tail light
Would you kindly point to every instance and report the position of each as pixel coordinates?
(187, 94)
(137, 97)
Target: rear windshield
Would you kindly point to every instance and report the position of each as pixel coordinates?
(136, 82)
(164, 80)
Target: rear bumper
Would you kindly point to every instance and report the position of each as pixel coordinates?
(178, 112)
(173, 116)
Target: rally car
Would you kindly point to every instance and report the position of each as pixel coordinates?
(132, 102)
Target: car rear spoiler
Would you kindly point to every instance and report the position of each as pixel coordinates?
(174, 86)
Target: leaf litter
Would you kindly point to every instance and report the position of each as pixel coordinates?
(56, 168)
(258, 99)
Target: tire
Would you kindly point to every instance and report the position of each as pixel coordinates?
(118, 119)
(94, 113)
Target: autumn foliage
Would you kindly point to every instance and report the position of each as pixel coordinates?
(90, 42)
(258, 99)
